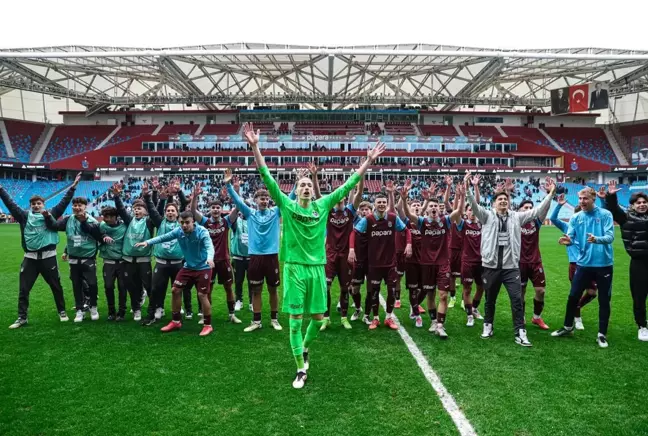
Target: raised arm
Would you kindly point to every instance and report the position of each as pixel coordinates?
(316, 187)
(119, 205)
(446, 194)
(154, 215)
(233, 193)
(337, 195)
(406, 210)
(273, 188)
(198, 216)
(612, 204)
(18, 214)
(475, 182)
(541, 211)
(59, 209)
(389, 188)
(358, 194)
(460, 197)
(562, 226)
(480, 212)
(233, 217)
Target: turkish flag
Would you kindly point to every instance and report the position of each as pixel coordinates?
(579, 98)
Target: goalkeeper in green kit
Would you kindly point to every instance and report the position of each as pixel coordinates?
(303, 249)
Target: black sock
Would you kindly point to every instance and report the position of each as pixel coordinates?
(273, 314)
(230, 307)
(432, 313)
(257, 316)
(538, 306)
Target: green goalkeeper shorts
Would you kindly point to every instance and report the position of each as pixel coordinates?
(304, 289)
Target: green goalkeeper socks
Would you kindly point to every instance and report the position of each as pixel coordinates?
(312, 331)
(296, 341)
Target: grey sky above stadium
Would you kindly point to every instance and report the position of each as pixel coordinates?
(491, 24)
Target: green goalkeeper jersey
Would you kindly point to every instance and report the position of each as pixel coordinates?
(304, 229)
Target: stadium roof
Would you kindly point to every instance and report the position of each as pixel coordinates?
(218, 76)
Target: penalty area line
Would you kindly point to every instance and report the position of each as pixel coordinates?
(447, 400)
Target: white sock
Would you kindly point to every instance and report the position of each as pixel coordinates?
(536, 316)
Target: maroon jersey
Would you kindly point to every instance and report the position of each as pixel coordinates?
(219, 234)
(401, 242)
(471, 231)
(361, 243)
(456, 238)
(381, 249)
(530, 250)
(416, 244)
(434, 241)
(338, 229)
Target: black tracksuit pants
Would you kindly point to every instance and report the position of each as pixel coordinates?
(138, 278)
(30, 269)
(115, 272)
(639, 289)
(240, 269)
(84, 269)
(493, 279)
(163, 275)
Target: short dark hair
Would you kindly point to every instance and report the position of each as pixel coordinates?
(216, 203)
(380, 195)
(139, 203)
(525, 202)
(186, 214)
(499, 193)
(109, 211)
(637, 195)
(364, 204)
(173, 204)
(261, 193)
(82, 200)
(36, 198)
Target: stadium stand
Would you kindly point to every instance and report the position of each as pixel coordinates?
(71, 140)
(85, 189)
(330, 128)
(529, 133)
(221, 129)
(486, 131)
(400, 128)
(23, 137)
(435, 130)
(127, 133)
(590, 143)
(178, 129)
(16, 189)
(266, 128)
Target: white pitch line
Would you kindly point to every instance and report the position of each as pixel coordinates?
(449, 404)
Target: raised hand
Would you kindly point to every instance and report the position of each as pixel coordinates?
(467, 178)
(251, 137)
(500, 186)
(197, 189)
(237, 184)
(77, 179)
(389, 186)
(508, 185)
(164, 193)
(145, 189)
(404, 192)
(116, 189)
(460, 190)
(227, 178)
(561, 199)
(156, 183)
(425, 194)
(312, 168)
(601, 192)
(613, 187)
(448, 180)
(433, 189)
(374, 153)
(475, 179)
(550, 185)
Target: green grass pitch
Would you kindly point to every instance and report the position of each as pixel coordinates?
(101, 378)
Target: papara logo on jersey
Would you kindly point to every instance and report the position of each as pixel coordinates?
(530, 231)
(339, 221)
(416, 232)
(216, 231)
(381, 233)
(473, 232)
(435, 232)
(305, 219)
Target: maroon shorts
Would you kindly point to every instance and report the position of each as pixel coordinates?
(359, 273)
(222, 270)
(533, 272)
(471, 273)
(387, 274)
(188, 278)
(263, 267)
(435, 276)
(338, 266)
(572, 271)
(413, 276)
(455, 262)
(400, 264)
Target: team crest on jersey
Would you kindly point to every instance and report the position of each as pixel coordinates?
(389, 224)
(540, 270)
(345, 213)
(206, 276)
(315, 214)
